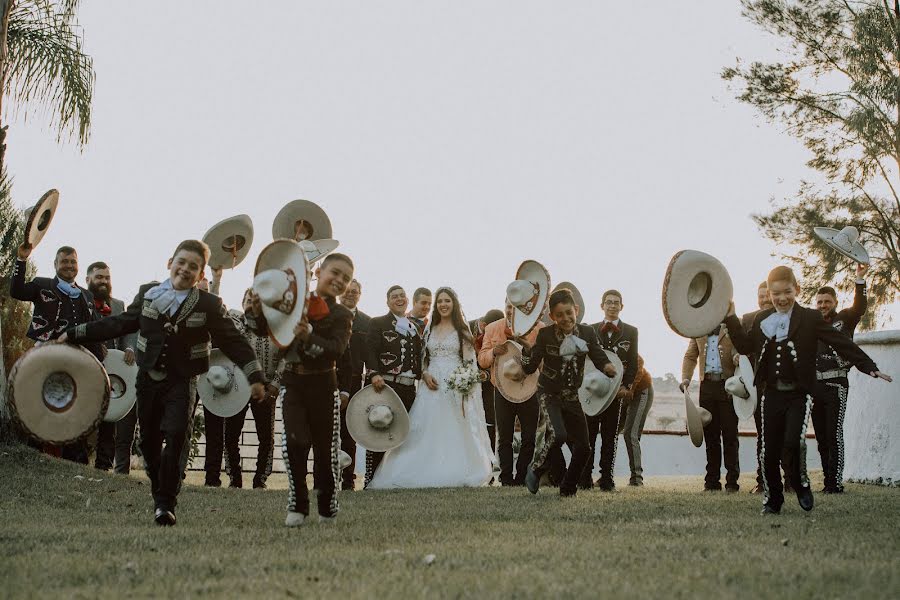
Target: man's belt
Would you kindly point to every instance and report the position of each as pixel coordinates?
(300, 369)
(832, 374)
(713, 377)
(400, 379)
(785, 386)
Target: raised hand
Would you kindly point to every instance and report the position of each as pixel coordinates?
(861, 270)
(24, 251)
(881, 375)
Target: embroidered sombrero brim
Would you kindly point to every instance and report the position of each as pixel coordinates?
(579, 301)
(357, 418)
(281, 255)
(58, 393)
(855, 251)
(229, 241)
(301, 210)
(591, 403)
(514, 391)
(229, 402)
(744, 407)
(533, 271)
(39, 218)
(697, 291)
(122, 378)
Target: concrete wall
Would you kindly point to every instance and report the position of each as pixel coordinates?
(872, 421)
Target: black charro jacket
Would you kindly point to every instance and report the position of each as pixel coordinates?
(546, 350)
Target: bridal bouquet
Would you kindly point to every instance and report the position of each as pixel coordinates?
(462, 380)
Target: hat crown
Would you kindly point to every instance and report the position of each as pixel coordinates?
(511, 369)
(308, 246)
(735, 386)
(846, 237)
(597, 383)
(520, 292)
(220, 378)
(271, 286)
(380, 416)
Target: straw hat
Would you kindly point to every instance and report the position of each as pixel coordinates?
(742, 390)
(579, 301)
(378, 421)
(508, 374)
(39, 217)
(315, 221)
(122, 379)
(528, 294)
(229, 241)
(316, 250)
(697, 418)
(845, 241)
(58, 393)
(697, 291)
(224, 389)
(598, 390)
(282, 283)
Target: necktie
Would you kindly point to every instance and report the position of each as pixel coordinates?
(102, 307)
(609, 326)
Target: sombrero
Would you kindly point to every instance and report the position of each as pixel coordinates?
(282, 283)
(845, 241)
(229, 241)
(39, 218)
(598, 390)
(742, 390)
(697, 291)
(378, 421)
(508, 369)
(697, 418)
(315, 221)
(528, 294)
(579, 301)
(58, 393)
(122, 379)
(316, 250)
(224, 389)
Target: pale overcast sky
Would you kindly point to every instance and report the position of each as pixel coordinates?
(448, 141)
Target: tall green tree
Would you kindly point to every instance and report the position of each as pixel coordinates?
(838, 91)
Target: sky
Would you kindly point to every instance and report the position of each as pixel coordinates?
(447, 141)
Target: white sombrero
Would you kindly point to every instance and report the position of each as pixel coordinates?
(315, 219)
(598, 390)
(579, 301)
(742, 390)
(58, 393)
(697, 291)
(316, 250)
(224, 389)
(512, 383)
(528, 294)
(282, 283)
(229, 241)
(845, 241)
(39, 217)
(697, 418)
(378, 421)
(122, 377)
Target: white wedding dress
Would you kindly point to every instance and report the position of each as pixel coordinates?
(444, 448)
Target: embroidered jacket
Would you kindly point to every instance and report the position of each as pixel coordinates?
(389, 352)
(180, 343)
(805, 330)
(329, 340)
(126, 341)
(844, 321)
(267, 353)
(625, 344)
(546, 350)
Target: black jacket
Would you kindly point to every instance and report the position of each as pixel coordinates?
(625, 345)
(546, 351)
(844, 321)
(329, 341)
(200, 319)
(390, 353)
(358, 348)
(806, 329)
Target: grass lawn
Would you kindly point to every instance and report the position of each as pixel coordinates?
(71, 537)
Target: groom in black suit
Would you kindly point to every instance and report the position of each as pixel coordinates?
(394, 357)
(358, 359)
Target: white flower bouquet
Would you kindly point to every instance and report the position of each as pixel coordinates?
(463, 380)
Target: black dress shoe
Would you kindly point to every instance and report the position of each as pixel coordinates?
(805, 497)
(607, 486)
(532, 481)
(164, 518)
(770, 510)
(732, 489)
(712, 488)
(259, 484)
(567, 493)
(213, 483)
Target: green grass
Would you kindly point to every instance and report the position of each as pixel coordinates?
(68, 537)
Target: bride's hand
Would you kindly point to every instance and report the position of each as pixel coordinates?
(430, 381)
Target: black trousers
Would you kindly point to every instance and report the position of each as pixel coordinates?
(407, 395)
(829, 406)
(311, 412)
(125, 440)
(607, 424)
(106, 446)
(784, 418)
(757, 418)
(165, 412)
(506, 413)
(720, 436)
(488, 400)
(225, 434)
(562, 422)
(348, 444)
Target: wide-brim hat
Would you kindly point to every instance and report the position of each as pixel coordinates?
(598, 390)
(845, 241)
(281, 280)
(579, 301)
(508, 364)
(742, 390)
(528, 294)
(58, 393)
(316, 250)
(39, 217)
(224, 389)
(122, 378)
(696, 418)
(697, 291)
(229, 241)
(301, 210)
(360, 413)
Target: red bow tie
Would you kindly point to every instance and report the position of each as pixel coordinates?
(102, 307)
(317, 309)
(609, 326)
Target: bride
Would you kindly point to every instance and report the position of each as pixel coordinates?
(448, 445)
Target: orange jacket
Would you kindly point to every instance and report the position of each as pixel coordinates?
(495, 335)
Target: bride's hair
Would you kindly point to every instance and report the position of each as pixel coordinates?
(456, 317)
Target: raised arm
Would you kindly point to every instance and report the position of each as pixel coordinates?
(112, 327)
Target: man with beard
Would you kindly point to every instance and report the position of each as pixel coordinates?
(99, 284)
(361, 320)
